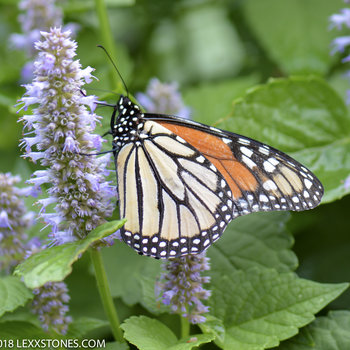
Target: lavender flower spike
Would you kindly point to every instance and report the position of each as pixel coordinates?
(50, 305)
(181, 286)
(14, 221)
(36, 15)
(62, 128)
(50, 302)
(338, 21)
(163, 98)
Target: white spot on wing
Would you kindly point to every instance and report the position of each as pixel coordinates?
(306, 194)
(248, 152)
(273, 161)
(243, 141)
(269, 185)
(263, 150)
(269, 167)
(307, 183)
(295, 199)
(248, 162)
(263, 198)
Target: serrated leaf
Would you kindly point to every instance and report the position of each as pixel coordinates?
(54, 264)
(81, 326)
(263, 307)
(21, 330)
(295, 33)
(331, 332)
(13, 293)
(259, 239)
(303, 117)
(150, 334)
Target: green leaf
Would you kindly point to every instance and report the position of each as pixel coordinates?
(83, 325)
(54, 264)
(214, 326)
(6, 101)
(331, 332)
(193, 39)
(263, 307)
(303, 117)
(323, 245)
(259, 239)
(131, 268)
(13, 330)
(295, 33)
(13, 294)
(201, 98)
(150, 334)
(149, 299)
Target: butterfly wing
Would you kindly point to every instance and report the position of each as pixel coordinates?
(175, 200)
(261, 178)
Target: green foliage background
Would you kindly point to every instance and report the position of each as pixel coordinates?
(258, 68)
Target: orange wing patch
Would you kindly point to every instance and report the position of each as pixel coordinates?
(219, 153)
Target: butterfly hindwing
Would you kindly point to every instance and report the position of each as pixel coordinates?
(176, 202)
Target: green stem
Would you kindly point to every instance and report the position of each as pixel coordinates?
(105, 294)
(107, 37)
(185, 327)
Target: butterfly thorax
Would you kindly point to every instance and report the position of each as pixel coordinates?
(128, 124)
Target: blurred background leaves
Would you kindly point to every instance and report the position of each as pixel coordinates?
(217, 51)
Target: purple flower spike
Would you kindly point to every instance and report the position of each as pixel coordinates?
(50, 301)
(49, 304)
(341, 43)
(338, 20)
(62, 126)
(36, 15)
(14, 221)
(181, 286)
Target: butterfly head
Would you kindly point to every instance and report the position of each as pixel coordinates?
(125, 127)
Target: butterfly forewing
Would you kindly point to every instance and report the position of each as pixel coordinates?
(176, 202)
(261, 178)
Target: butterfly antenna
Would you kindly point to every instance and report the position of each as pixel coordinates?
(115, 67)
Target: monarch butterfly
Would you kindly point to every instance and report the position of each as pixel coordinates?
(181, 182)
